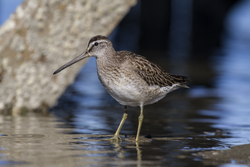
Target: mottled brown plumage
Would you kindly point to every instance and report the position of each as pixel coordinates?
(152, 73)
(129, 78)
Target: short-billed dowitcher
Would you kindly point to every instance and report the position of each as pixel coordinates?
(130, 79)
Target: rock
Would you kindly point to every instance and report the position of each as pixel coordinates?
(40, 37)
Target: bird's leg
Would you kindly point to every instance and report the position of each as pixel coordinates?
(116, 135)
(139, 126)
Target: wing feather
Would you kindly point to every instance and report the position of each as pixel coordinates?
(154, 74)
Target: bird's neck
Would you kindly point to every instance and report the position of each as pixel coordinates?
(106, 59)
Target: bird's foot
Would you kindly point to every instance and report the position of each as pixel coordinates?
(116, 137)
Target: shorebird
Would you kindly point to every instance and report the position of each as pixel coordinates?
(130, 79)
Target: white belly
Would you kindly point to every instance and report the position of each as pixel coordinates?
(134, 92)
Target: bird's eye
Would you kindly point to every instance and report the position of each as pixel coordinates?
(96, 44)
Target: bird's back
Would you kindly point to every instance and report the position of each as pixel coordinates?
(150, 72)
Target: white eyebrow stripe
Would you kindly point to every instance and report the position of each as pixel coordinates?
(98, 41)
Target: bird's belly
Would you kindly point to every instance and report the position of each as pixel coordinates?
(128, 91)
(132, 91)
(127, 94)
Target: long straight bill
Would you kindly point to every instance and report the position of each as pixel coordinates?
(78, 58)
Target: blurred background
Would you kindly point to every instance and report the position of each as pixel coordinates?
(208, 41)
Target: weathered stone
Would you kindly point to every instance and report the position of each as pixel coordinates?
(41, 36)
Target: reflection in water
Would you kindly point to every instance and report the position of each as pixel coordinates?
(138, 152)
(183, 123)
(234, 79)
(232, 83)
(180, 124)
(36, 140)
(84, 120)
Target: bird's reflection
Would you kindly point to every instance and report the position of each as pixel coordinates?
(121, 151)
(139, 155)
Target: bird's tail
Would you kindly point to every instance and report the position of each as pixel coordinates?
(180, 79)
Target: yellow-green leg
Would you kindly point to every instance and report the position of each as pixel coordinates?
(116, 135)
(139, 125)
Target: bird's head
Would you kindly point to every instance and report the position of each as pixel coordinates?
(98, 46)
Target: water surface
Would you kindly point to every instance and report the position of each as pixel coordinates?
(76, 130)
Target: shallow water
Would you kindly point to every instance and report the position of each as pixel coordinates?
(212, 115)
(75, 132)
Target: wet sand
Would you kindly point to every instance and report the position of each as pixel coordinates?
(237, 154)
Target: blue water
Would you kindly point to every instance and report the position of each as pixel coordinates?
(187, 121)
